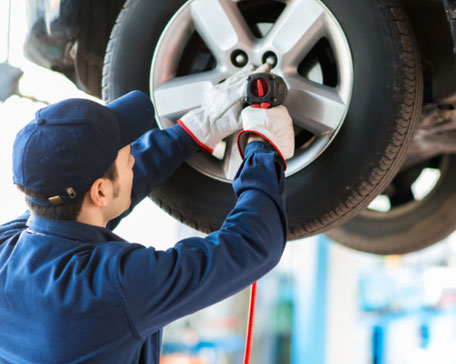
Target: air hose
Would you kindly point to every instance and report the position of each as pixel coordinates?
(251, 319)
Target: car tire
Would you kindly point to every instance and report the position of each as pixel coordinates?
(358, 164)
(412, 223)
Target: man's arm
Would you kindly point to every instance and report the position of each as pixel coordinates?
(161, 286)
(158, 154)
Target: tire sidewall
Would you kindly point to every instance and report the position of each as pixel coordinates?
(410, 228)
(133, 40)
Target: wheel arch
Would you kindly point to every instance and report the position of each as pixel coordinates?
(428, 19)
(95, 21)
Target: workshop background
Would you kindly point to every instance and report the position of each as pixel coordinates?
(324, 304)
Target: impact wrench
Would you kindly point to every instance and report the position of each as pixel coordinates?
(263, 90)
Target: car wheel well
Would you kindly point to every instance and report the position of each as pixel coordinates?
(428, 20)
(96, 20)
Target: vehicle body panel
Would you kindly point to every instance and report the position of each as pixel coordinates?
(52, 33)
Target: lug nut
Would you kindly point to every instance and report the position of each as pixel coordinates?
(239, 58)
(270, 58)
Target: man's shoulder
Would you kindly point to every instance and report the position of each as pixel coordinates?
(13, 227)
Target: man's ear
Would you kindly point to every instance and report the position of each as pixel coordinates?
(98, 192)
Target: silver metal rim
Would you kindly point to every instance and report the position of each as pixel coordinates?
(313, 106)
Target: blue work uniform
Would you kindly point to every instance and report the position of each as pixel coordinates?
(77, 293)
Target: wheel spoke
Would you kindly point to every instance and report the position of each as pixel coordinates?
(297, 30)
(232, 159)
(221, 25)
(175, 97)
(317, 108)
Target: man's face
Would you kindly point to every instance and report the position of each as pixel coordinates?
(121, 192)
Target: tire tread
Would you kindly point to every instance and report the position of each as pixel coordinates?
(389, 164)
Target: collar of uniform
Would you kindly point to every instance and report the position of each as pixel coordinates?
(71, 230)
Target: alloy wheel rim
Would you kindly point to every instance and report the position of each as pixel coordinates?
(318, 110)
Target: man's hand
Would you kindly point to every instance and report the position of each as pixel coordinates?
(274, 125)
(219, 115)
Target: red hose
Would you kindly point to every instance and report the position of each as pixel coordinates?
(248, 344)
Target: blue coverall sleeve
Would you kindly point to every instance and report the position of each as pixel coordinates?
(158, 154)
(161, 286)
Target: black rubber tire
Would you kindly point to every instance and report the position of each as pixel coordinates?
(364, 157)
(409, 227)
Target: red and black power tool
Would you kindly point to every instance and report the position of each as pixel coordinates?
(265, 90)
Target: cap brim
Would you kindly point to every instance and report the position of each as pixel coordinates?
(135, 112)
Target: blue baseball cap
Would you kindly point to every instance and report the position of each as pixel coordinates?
(73, 142)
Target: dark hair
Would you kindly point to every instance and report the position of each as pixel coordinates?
(67, 211)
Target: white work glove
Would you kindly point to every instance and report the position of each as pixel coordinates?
(274, 124)
(219, 115)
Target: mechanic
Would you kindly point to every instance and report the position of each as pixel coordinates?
(71, 290)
